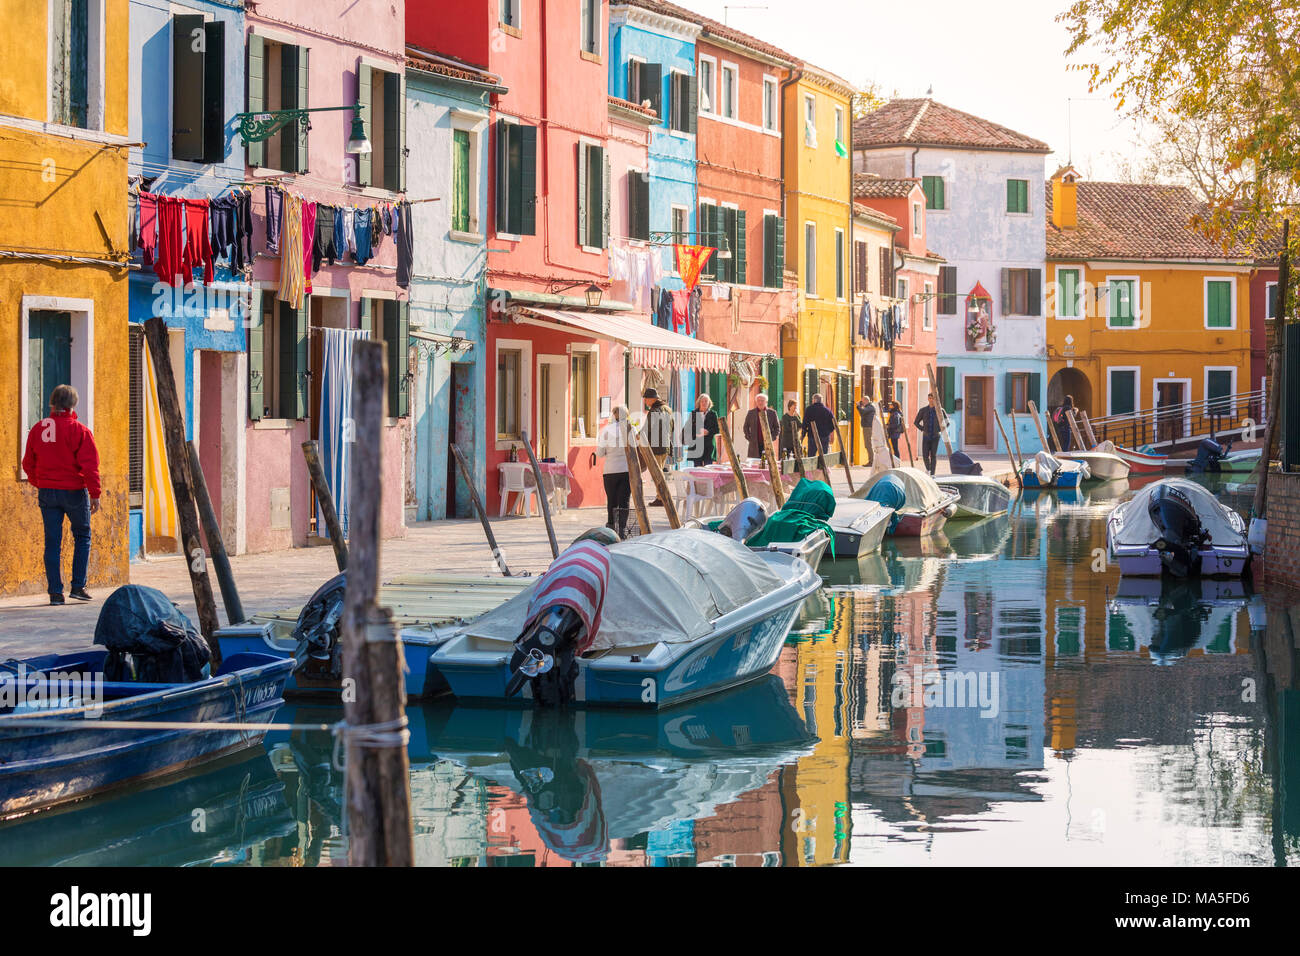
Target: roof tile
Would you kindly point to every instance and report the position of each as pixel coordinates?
(924, 122)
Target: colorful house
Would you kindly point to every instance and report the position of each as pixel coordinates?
(187, 147)
(63, 262)
(981, 181)
(817, 349)
(1143, 312)
(447, 109)
(906, 287)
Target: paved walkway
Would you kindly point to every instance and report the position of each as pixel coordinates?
(283, 579)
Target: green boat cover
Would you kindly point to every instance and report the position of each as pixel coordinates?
(807, 509)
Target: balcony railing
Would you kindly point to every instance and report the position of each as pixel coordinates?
(1168, 427)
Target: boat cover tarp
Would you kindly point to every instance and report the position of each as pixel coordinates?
(1137, 528)
(923, 492)
(1107, 446)
(667, 587)
(810, 505)
(1045, 466)
(164, 645)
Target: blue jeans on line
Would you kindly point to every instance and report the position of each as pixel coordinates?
(55, 504)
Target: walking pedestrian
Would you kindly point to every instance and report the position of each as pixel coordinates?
(659, 429)
(62, 463)
(927, 422)
(818, 416)
(894, 426)
(610, 446)
(700, 429)
(753, 431)
(1061, 421)
(790, 426)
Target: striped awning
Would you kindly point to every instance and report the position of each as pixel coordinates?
(651, 346)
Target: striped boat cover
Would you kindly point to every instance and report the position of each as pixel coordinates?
(577, 579)
(335, 414)
(160, 519)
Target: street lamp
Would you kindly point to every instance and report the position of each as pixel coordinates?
(256, 127)
(594, 292)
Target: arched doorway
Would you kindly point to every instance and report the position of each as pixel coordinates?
(1070, 381)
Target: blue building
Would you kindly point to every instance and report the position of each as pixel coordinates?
(447, 110)
(186, 74)
(652, 58)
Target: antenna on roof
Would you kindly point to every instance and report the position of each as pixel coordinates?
(930, 91)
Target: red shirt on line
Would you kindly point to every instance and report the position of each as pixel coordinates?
(61, 454)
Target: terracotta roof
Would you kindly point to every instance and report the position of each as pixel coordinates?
(924, 122)
(711, 28)
(417, 59)
(1132, 221)
(865, 209)
(630, 107)
(866, 186)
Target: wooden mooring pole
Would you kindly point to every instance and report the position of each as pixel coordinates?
(844, 450)
(477, 502)
(378, 772)
(178, 467)
(773, 464)
(725, 431)
(541, 495)
(216, 544)
(325, 498)
(634, 478)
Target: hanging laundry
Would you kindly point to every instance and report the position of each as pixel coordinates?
(664, 310)
(346, 239)
(198, 248)
(693, 310)
(292, 282)
(681, 300)
(274, 218)
(376, 229)
(148, 226)
(221, 218)
(405, 240)
(308, 236)
(169, 263)
(244, 230)
(363, 233)
(388, 219)
(322, 246)
(864, 320)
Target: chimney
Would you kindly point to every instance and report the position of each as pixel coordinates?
(1065, 204)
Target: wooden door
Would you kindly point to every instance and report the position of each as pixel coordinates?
(976, 411)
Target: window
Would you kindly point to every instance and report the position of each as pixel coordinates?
(773, 251)
(278, 369)
(770, 112)
(710, 235)
(900, 395)
(681, 225)
(839, 265)
(810, 258)
(389, 322)
(728, 229)
(277, 80)
(1017, 195)
(947, 290)
(1270, 300)
(461, 201)
(638, 204)
(591, 22)
(840, 146)
(1022, 291)
(916, 219)
(198, 89)
(810, 120)
(516, 189)
(1220, 304)
(901, 287)
(932, 186)
(927, 311)
(1220, 387)
(509, 393)
(1018, 396)
(384, 115)
(708, 93)
(1068, 301)
(582, 394)
(509, 16)
(1121, 302)
(76, 96)
(684, 98)
(57, 348)
(860, 275)
(727, 100)
(645, 85)
(593, 196)
(1121, 391)
(886, 271)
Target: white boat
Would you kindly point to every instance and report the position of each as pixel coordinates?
(811, 549)
(1177, 525)
(921, 506)
(686, 613)
(979, 496)
(859, 526)
(1045, 470)
(1104, 464)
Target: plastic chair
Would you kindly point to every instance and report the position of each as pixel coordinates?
(680, 485)
(518, 479)
(702, 497)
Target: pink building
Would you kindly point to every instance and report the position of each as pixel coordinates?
(298, 57)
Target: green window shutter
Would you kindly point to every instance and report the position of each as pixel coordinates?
(396, 341)
(289, 136)
(948, 385)
(691, 95)
(809, 385)
(1006, 292)
(1035, 292)
(776, 384)
(301, 319)
(844, 397)
(1067, 305)
(644, 228)
(839, 265)
(947, 290)
(941, 202)
(367, 320)
(256, 99)
(1219, 306)
(583, 212)
(256, 362)
(394, 133)
(527, 179)
(1009, 388)
(214, 92)
(49, 354)
(1218, 386)
(365, 92)
(741, 268)
(1121, 303)
(501, 192)
(1017, 195)
(717, 388)
(932, 186)
(1035, 391)
(304, 101)
(602, 159)
(460, 180)
(707, 237)
(188, 45)
(1123, 388)
(780, 253)
(769, 252)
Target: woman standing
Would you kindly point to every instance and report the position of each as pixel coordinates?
(790, 425)
(611, 445)
(1061, 420)
(894, 426)
(700, 429)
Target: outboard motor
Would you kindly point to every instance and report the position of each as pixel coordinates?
(562, 622)
(961, 463)
(1181, 531)
(149, 639)
(744, 521)
(1208, 455)
(320, 651)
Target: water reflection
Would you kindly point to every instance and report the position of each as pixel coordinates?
(994, 694)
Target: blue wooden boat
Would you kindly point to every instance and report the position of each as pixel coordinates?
(45, 765)
(1048, 471)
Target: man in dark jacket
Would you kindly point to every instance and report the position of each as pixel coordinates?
(62, 463)
(818, 416)
(753, 431)
(867, 418)
(927, 421)
(659, 430)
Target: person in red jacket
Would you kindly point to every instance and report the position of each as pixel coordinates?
(62, 463)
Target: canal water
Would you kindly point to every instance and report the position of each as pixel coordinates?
(994, 695)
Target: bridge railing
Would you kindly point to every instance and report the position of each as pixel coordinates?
(1169, 427)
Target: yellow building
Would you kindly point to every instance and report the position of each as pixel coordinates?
(1143, 312)
(818, 352)
(63, 262)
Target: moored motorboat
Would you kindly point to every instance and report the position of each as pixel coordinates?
(683, 614)
(920, 505)
(1103, 463)
(979, 497)
(1048, 471)
(1142, 462)
(859, 526)
(1177, 525)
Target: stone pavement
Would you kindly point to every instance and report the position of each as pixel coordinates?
(282, 579)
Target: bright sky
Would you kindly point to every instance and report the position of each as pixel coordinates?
(1000, 59)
